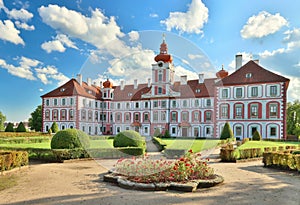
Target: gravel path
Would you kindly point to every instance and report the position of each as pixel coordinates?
(80, 182)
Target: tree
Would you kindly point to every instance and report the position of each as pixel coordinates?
(256, 136)
(2, 120)
(293, 116)
(226, 132)
(9, 127)
(21, 127)
(35, 121)
(54, 127)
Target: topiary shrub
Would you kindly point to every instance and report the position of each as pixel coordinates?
(129, 138)
(70, 139)
(157, 133)
(21, 127)
(167, 134)
(54, 127)
(256, 136)
(226, 132)
(9, 127)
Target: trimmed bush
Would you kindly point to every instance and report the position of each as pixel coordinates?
(167, 134)
(12, 159)
(129, 138)
(9, 127)
(256, 136)
(21, 127)
(157, 133)
(54, 127)
(226, 132)
(70, 139)
(159, 143)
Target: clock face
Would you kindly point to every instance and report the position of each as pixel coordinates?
(160, 64)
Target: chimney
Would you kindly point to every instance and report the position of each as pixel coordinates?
(89, 81)
(149, 82)
(100, 84)
(201, 77)
(183, 80)
(238, 61)
(122, 85)
(79, 79)
(135, 85)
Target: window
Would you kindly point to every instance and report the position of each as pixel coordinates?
(127, 105)
(136, 117)
(84, 102)
(196, 103)
(184, 116)
(208, 130)
(273, 110)
(173, 103)
(253, 129)
(71, 101)
(90, 103)
(63, 101)
(239, 92)
(273, 90)
(71, 114)
(238, 130)
(163, 116)
(146, 130)
(159, 90)
(137, 105)
(63, 115)
(90, 114)
(208, 102)
(174, 117)
(83, 114)
(118, 117)
(127, 117)
(146, 117)
(208, 116)
(104, 94)
(163, 104)
(184, 103)
(104, 105)
(155, 116)
(55, 102)
(155, 104)
(238, 111)
(225, 93)
(254, 91)
(118, 129)
(160, 76)
(224, 111)
(254, 110)
(146, 105)
(248, 75)
(47, 102)
(55, 115)
(47, 115)
(173, 130)
(118, 105)
(197, 90)
(96, 116)
(196, 116)
(273, 131)
(96, 104)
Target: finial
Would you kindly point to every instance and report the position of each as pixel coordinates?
(164, 37)
(222, 66)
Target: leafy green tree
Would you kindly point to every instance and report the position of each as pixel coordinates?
(226, 132)
(54, 127)
(2, 120)
(293, 116)
(256, 136)
(21, 127)
(167, 134)
(35, 121)
(9, 127)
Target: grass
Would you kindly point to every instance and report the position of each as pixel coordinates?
(263, 144)
(7, 181)
(186, 144)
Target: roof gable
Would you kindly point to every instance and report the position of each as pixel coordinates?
(251, 73)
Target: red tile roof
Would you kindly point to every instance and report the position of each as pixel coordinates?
(258, 75)
(73, 88)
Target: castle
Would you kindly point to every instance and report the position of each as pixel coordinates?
(251, 98)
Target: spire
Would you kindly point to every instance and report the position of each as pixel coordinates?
(163, 55)
(163, 45)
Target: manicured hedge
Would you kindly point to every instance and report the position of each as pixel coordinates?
(12, 159)
(23, 140)
(229, 154)
(70, 139)
(159, 143)
(23, 134)
(282, 160)
(129, 138)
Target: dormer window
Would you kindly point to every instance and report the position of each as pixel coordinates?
(248, 75)
(197, 90)
(90, 92)
(62, 89)
(129, 94)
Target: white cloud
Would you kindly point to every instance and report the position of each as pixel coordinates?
(190, 22)
(22, 71)
(24, 26)
(58, 44)
(262, 25)
(195, 56)
(97, 29)
(43, 78)
(21, 14)
(180, 71)
(61, 78)
(245, 58)
(28, 63)
(8, 32)
(153, 15)
(133, 36)
(45, 74)
(1, 4)
(41, 90)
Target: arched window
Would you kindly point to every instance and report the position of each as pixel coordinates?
(47, 115)
(83, 114)
(55, 115)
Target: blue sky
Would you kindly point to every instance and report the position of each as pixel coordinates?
(45, 43)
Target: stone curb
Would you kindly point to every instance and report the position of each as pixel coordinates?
(190, 186)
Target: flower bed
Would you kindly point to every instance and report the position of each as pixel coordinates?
(186, 173)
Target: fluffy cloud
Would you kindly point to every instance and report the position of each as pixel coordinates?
(97, 29)
(153, 15)
(262, 25)
(58, 44)
(195, 56)
(190, 22)
(45, 74)
(8, 32)
(24, 26)
(21, 14)
(133, 36)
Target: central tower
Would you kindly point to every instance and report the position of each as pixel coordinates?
(162, 72)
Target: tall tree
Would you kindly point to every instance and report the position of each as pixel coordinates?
(54, 127)
(293, 116)
(35, 121)
(21, 127)
(2, 120)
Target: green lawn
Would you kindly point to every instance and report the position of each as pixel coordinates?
(102, 144)
(263, 144)
(195, 145)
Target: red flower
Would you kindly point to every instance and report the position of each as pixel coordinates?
(190, 151)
